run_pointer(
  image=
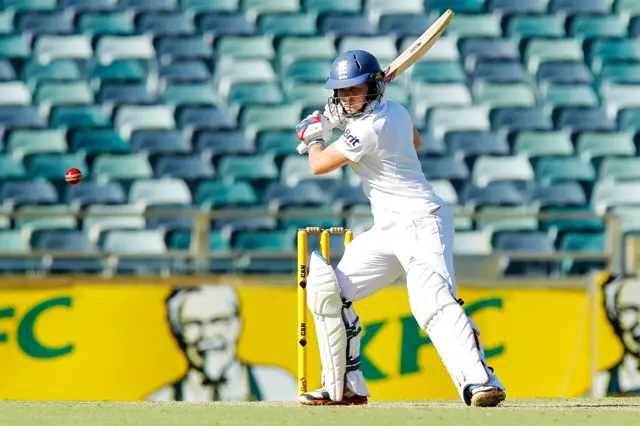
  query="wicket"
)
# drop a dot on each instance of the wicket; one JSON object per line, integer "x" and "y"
{"x": 303, "y": 269}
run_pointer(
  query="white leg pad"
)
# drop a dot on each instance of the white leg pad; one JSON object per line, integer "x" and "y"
{"x": 447, "y": 324}
{"x": 325, "y": 303}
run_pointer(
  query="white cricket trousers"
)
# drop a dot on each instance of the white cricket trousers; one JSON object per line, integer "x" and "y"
{"x": 377, "y": 257}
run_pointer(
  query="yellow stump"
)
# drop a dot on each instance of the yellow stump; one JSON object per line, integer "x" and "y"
{"x": 302, "y": 311}
{"x": 303, "y": 270}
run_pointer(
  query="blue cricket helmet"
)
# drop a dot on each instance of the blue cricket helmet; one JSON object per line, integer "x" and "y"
{"x": 353, "y": 68}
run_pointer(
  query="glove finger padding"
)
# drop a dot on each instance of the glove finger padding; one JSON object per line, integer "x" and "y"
{"x": 314, "y": 127}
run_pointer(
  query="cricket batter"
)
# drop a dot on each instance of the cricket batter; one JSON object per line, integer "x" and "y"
{"x": 412, "y": 234}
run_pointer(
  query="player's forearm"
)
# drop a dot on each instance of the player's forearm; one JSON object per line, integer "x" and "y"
{"x": 322, "y": 161}
{"x": 416, "y": 139}
{"x": 316, "y": 163}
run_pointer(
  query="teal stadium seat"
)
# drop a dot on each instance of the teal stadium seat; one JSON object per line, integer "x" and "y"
{"x": 277, "y": 142}
{"x": 597, "y": 26}
{"x": 288, "y": 24}
{"x": 49, "y": 48}
{"x": 14, "y": 46}
{"x": 200, "y": 6}
{"x": 462, "y": 6}
{"x": 258, "y": 7}
{"x": 6, "y": 23}
{"x": 295, "y": 168}
{"x": 605, "y": 144}
{"x": 629, "y": 6}
{"x": 28, "y": 142}
{"x": 535, "y": 26}
{"x": 151, "y": 192}
{"x": 472, "y": 243}
{"x": 13, "y": 241}
{"x": 376, "y": 8}
{"x": 255, "y": 93}
{"x": 122, "y": 70}
{"x": 54, "y": 166}
{"x": 620, "y": 96}
{"x": 73, "y": 117}
{"x": 534, "y": 144}
{"x": 291, "y": 49}
{"x": 180, "y": 94}
{"x": 609, "y": 194}
{"x": 231, "y": 71}
{"x": 98, "y": 141}
{"x": 322, "y": 6}
{"x": 215, "y": 194}
{"x": 569, "y": 95}
{"x": 382, "y": 47}
{"x": 539, "y": 51}
{"x": 14, "y": 93}
{"x": 312, "y": 95}
{"x": 129, "y": 118}
{"x": 602, "y": 51}
{"x": 28, "y": 5}
{"x": 493, "y": 223}
{"x": 474, "y": 25}
{"x": 64, "y": 93}
{"x": 505, "y": 95}
{"x": 58, "y": 70}
{"x": 123, "y": 167}
{"x": 11, "y": 168}
{"x": 275, "y": 117}
{"x": 620, "y": 169}
{"x": 437, "y": 72}
{"x": 450, "y": 119}
{"x": 255, "y": 167}
{"x": 307, "y": 71}
{"x": 110, "y": 48}
{"x": 256, "y": 47}
{"x": 446, "y": 49}
{"x": 97, "y": 24}
{"x": 489, "y": 169}
{"x": 134, "y": 242}
{"x": 562, "y": 169}
{"x": 624, "y": 73}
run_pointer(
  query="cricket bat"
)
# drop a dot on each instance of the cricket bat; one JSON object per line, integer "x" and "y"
{"x": 411, "y": 55}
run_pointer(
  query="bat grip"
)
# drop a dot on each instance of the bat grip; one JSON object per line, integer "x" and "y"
{"x": 302, "y": 148}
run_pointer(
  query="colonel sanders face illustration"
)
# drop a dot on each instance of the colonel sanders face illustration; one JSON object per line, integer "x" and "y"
{"x": 206, "y": 323}
{"x": 622, "y": 301}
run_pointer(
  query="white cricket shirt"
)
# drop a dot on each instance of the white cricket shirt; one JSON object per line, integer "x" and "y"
{"x": 380, "y": 146}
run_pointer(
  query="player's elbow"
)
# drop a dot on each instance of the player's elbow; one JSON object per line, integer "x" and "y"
{"x": 318, "y": 169}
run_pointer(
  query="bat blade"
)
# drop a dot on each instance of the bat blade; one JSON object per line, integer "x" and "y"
{"x": 419, "y": 47}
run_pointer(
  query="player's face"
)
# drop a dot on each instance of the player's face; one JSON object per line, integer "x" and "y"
{"x": 353, "y": 98}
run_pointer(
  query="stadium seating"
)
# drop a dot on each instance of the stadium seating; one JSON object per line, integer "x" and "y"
{"x": 522, "y": 105}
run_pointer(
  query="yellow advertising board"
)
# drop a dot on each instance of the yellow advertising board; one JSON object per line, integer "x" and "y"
{"x": 131, "y": 342}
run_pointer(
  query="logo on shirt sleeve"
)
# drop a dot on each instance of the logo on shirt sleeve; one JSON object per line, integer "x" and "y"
{"x": 351, "y": 138}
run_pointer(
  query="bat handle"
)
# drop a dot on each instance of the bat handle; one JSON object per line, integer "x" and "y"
{"x": 302, "y": 148}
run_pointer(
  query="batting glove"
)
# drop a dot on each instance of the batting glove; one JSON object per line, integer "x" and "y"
{"x": 314, "y": 127}
{"x": 333, "y": 117}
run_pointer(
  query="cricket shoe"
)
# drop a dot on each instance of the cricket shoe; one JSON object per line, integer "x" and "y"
{"x": 486, "y": 396}
{"x": 321, "y": 397}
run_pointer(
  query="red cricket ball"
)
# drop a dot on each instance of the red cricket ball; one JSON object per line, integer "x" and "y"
{"x": 73, "y": 176}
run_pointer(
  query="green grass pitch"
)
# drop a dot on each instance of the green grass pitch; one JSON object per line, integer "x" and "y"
{"x": 538, "y": 412}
